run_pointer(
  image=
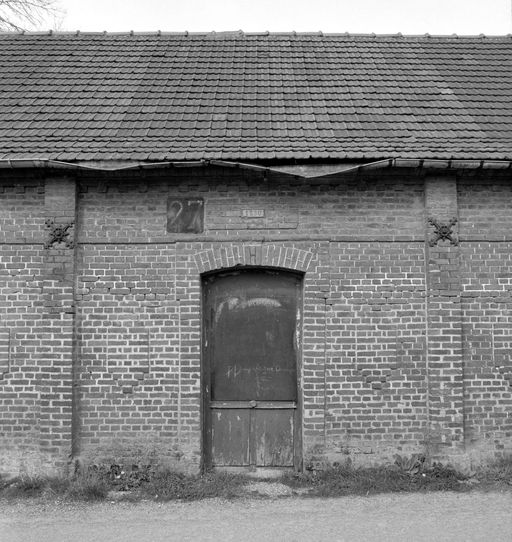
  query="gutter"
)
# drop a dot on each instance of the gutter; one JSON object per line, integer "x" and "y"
{"x": 99, "y": 166}
{"x": 326, "y": 170}
{"x": 306, "y": 171}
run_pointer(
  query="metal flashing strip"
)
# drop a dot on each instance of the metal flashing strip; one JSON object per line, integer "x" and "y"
{"x": 94, "y": 166}
{"x": 304, "y": 171}
{"x": 311, "y": 171}
{"x": 451, "y": 164}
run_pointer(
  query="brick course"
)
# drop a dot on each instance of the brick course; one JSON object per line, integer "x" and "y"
{"x": 405, "y": 346}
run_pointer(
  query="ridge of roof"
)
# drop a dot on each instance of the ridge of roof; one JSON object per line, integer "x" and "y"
{"x": 241, "y": 33}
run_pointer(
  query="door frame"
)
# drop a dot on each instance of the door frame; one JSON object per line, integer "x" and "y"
{"x": 205, "y": 419}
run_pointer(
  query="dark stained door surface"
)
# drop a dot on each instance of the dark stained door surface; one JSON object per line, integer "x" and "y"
{"x": 250, "y": 375}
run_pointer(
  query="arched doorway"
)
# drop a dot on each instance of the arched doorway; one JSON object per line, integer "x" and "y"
{"x": 251, "y": 347}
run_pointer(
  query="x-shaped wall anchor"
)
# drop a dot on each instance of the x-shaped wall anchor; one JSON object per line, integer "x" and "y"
{"x": 59, "y": 233}
{"x": 443, "y": 231}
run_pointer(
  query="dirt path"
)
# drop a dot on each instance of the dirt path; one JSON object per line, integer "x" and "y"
{"x": 412, "y": 517}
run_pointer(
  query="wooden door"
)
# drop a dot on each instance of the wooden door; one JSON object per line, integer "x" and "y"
{"x": 251, "y": 342}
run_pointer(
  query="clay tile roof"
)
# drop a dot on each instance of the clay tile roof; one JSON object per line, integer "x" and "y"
{"x": 236, "y": 96}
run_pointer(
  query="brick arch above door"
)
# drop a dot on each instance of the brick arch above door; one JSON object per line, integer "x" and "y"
{"x": 271, "y": 255}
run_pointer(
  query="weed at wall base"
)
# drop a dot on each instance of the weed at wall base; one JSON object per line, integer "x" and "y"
{"x": 405, "y": 475}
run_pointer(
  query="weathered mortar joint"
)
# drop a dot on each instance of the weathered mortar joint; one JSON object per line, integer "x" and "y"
{"x": 506, "y": 372}
{"x": 127, "y": 382}
{"x": 130, "y": 372}
{"x": 59, "y": 233}
{"x": 375, "y": 379}
{"x": 5, "y": 352}
{"x": 443, "y": 231}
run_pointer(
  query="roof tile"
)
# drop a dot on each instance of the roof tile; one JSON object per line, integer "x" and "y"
{"x": 254, "y": 96}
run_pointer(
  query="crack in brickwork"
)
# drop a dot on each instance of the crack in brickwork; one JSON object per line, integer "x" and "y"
{"x": 128, "y": 354}
{"x": 5, "y": 351}
{"x": 386, "y": 350}
{"x": 502, "y": 347}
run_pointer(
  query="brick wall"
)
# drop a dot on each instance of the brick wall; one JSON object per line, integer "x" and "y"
{"x": 486, "y": 245}
{"x": 36, "y": 319}
{"x": 375, "y": 341}
{"x": 405, "y": 337}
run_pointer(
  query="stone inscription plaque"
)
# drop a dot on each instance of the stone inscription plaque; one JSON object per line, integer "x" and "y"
{"x": 253, "y": 213}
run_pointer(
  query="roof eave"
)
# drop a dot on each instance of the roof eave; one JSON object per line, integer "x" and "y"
{"x": 303, "y": 171}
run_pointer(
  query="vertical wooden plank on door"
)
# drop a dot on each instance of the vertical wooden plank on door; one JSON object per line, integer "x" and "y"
{"x": 273, "y": 431}
{"x": 230, "y": 437}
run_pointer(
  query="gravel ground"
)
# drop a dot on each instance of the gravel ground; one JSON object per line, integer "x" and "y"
{"x": 406, "y": 517}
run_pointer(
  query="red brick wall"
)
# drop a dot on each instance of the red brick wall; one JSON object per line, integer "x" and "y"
{"x": 486, "y": 290}
{"x": 36, "y": 321}
{"x": 405, "y": 346}
{"x": 375, "y": 349}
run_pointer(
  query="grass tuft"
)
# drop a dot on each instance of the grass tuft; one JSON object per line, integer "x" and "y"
{"x": 498, "y": 472}
{"x": 94, "y": 485}
{"x": 84, "y": 487}
{"x": 167, "y": 485}
{"x": 405, "y": 475}
{"x": 28, "y": 486}
{"x": 345, "y": 479}
{"x": 88, "y": 487}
